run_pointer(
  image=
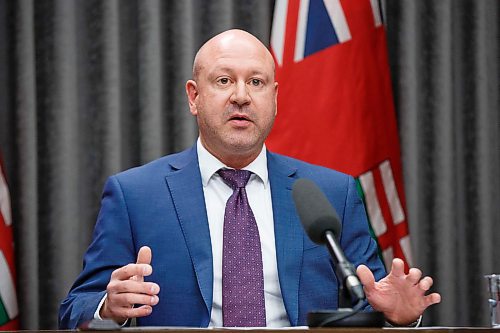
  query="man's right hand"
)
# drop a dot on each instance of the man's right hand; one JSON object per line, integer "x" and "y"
{"x": 127, "y": 288}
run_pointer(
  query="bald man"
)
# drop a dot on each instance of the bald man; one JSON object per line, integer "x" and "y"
{"x": 158, "y": 247}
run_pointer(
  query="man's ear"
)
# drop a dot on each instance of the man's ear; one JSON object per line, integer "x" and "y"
{"x": 276, "y": 98}
{"x": 192, "y": 94}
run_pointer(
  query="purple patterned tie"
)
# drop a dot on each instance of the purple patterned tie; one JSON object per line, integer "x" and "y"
{"x": 242, "y": 275}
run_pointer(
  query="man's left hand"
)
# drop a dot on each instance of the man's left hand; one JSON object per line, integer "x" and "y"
{"x": 400, "y": 297}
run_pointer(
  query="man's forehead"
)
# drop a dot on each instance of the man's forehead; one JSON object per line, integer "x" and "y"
{"x": 228, "y": 39}
{"x": 240, "y": 61}
{"x": 241, "y": 49}
{"x": 232, "y": 38}
{"x": 233, "y": 48}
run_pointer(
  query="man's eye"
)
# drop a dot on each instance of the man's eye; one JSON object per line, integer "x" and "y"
{"x": 256, "y": 82}
{"x": 223, "y": 80}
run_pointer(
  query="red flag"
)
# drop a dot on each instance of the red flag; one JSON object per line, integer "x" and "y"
{"x": 335, "y": 104}
{"x": 8, "y": 301}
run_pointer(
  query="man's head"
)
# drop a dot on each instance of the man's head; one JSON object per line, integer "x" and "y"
{"x": 233, "y": 95}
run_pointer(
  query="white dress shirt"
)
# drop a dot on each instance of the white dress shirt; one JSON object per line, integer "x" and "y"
{"x": 216, "y": 194}
{"x": 259, "y": 196}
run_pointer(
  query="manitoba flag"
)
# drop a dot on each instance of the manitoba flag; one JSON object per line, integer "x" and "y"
{"x": 335, "y": 104}
{"x": 8, "y": 301}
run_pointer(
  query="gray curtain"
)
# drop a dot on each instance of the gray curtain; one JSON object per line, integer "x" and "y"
{"x": 92, "y": 87}
{"x": 445, "y": 66}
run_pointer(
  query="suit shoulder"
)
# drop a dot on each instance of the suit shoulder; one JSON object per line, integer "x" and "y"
{"x": 309, "y": 170}
{"x": 158, "y": 167}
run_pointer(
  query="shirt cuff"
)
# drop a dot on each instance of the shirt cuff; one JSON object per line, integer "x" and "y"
{"x": 96, "y": 313}
{"x": 416, "y": 323}
{"x": 98, "y": 316}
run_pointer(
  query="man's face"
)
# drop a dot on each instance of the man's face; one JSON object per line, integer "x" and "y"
{"x": 234, "y": 98}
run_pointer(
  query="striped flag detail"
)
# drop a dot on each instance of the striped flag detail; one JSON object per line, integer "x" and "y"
{"x": 386, "y": 213}
{"x": 377, "y": 17}
{"x": 8, "y": 300}
{"x": 9, "y": 310}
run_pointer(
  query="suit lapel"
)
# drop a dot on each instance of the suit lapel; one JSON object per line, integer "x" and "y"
{"x": 288, "y": 234}
{"x": 184, "y": 183}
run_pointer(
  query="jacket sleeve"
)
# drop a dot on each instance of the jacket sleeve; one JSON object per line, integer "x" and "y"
{"x": 356, "y": 240}
{"x": 112, "y": 247}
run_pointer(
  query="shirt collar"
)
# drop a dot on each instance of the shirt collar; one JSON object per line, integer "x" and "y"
{"x": 209, "y": 164}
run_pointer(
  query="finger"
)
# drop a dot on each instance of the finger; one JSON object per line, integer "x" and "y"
{"x": 126, "y": 272}
{"x": 366, "y": 277}
{"x": 142, "y": 311}
{"x": 144, "y": 256}
{"x": 398, "y": 268}
{"x": 433, "y": 298}
{"x": 128, "y": 312}
{"x": 426, "y": 283}
{"x": 414, "y": 275}
{"x": 127, "y": 300}
{"x": 130, "y": 286}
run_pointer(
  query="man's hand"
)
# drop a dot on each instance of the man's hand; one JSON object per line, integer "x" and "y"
{"x": 127, "y": 287}
{"x": 401, "y": 297}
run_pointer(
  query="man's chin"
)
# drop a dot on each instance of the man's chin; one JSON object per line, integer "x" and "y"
{"x": 243, "y": 146}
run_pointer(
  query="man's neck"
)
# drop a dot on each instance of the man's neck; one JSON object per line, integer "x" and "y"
{"x": 232, "y": 159}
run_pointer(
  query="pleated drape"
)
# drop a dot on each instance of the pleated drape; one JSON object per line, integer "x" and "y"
{"x": 445, "y": 65}
{"x": 92, "y": 87}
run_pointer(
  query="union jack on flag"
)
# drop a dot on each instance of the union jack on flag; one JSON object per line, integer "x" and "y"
{"x": 336, "y": 106}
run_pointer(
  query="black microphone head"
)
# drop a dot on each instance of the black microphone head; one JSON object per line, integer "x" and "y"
{"x": 315, "y": 211}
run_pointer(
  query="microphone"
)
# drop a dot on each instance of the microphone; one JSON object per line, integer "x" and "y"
{"x": 322, "y": 225}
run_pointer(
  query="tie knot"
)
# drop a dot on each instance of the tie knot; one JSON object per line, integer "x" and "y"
{"x": 235, "y": 178}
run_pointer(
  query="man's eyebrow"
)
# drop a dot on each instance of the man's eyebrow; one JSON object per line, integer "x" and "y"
{"x": 230, "y": 70}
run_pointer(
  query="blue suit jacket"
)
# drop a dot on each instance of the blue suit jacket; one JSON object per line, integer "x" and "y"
{"x": 161, "y": 204}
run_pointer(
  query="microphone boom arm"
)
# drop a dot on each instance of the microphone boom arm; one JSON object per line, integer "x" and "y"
{"x": 344, "y": 268}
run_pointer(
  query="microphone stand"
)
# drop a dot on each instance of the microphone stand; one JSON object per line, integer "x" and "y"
{"x": 348, "y": 314}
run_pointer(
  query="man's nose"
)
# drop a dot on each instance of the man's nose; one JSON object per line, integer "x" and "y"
{"x": 240, "y": 94}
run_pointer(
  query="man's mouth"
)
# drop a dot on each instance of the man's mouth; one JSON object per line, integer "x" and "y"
{"x": 239, "y": 118}
{"x": 240, "y": 121}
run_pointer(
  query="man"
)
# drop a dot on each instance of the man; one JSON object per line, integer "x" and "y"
{"x": 170, "y": 216}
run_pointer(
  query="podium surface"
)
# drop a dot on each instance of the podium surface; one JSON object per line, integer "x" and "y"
{"x": 288, "y": 330}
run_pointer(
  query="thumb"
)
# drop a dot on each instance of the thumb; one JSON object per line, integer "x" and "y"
{"x": 366, "y": 277}
{"x": 144, "y": 256}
